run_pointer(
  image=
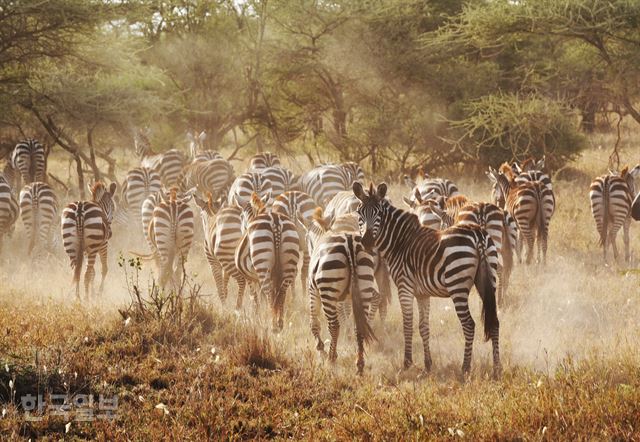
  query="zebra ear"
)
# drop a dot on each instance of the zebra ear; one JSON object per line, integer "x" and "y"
{"x": 491, "y": 174}
{"x": 635, "y": 172}
{"x": 358, "y": 190}
{"x": 202, "y": 136}
{"x": 540, "y": 163}
{"x": 190, "y": 136}
{"x": 382, "y": 191}
{"x": 408, "y": 202}
{"x": 112, "y": 188}
{"x": 417, "y": 196}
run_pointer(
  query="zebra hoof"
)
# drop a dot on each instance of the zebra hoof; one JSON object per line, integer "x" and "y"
{"x": 497, "y": 373}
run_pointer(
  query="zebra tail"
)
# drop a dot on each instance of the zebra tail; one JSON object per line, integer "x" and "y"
{"x": 35, "y": 228}
{"x": 276, "y": 272}
{"x": 485, "y": 281}
{"x": 363, "y": 327}
{"x": 77, "y": 269}
{"x": 605, "y": 210}
{"x": 540, "y": 212}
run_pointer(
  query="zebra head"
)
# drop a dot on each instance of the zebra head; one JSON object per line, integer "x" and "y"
{"x": 196, "y": 142}
{"x": 104, "y": 198}
{"x": 425, "y": 207}
{"x": 497, "y": 196}
{"x": 141, "y": 142}
{"x": 209, "y": 208}
{"x": 372, "y": 208}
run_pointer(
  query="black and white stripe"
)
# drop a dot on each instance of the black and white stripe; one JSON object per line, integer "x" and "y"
{"x": 9, "y": 210}
{"x": 281, "y": 179}
{"x": 38, "y": 210}
{"x": 263, "y": 160}
{"x": 431, "y": 186}
{"x": 524, "y": 202}
{"x": 86, "y": 229}
{"x": 247, "y": 184}
{"x": 197, "y": 149}
{"x": 168, "y": 164}
{"x": 269, "y": 253}
{"x": 29, "y": 158}
{"x": 611, "y": 201}
{"x": 171, "y": 234}
{"x": 426, "y": 263}
{"x": 299, "y": 207}
{"x": 498, "y": 223}
{"x": 326, "y": 181}
{"x": 139, "y": 183}
{"x": 341, "y": 267}
{"x": 208, "y": 176}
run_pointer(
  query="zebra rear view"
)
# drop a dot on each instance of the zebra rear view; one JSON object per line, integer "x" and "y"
{"x": 611, "y": 198}
{"x": 341, "y": 267}
{"x": 38, "y": 209}
{"x": 86, "y": 229}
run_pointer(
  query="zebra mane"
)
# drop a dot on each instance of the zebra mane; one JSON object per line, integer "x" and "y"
{"x": 97, "y": 191}
{"x": 528, "y": 164}
{"x": 505, "y": 169}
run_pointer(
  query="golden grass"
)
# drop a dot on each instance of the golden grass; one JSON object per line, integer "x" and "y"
{"x": 569, "y": 339}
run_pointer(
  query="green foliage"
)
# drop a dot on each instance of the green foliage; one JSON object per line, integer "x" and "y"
{"x": 507, "y": 126}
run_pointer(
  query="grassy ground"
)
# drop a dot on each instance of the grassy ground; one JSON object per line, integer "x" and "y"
{"x": 194, "y": 369}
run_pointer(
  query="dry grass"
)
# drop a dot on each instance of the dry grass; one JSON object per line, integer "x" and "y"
{"x": 569, "y": 343}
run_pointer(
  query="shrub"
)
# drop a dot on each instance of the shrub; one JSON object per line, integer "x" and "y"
{"x": 501, "y": 127}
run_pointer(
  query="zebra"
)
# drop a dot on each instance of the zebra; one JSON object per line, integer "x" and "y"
{"x": 222, "y": 237}
{"x": 426, "y": 262}
{"x": 281, "y": 179}
{"x": 29, "y": 160}
{"x": 215, "y": 176}
{"x": 197, "y": 150}
{"x": 342, "y": 203}
{"x": 342, "y": 266}
{"x": 86, "y": 229}
{"x": 299, "y": 207}
{"x": 531, "y": 170}
{"x": 170, "y": 234}
{"x": 268, "y": 254}
{"x": 38, "y": 209}
{"x": 263, "y": 160}
{"x": 498, "y": 223}
{"x": 635, "y": 208}
{"x": 325, "y": 181}
{"x": 9, "y": 210}
{"x": 438, "y": 186}
{"x": 168, "y": 164}
{"x": 149, "y": 205}
{"x": 426, "y": 206}
{"x": 348, "y": 223}
{"x": 139, "y": 183}
{"x": 524, "y": 201}
{"x": 611, "y": 198}
{"x": 245, "y": 185}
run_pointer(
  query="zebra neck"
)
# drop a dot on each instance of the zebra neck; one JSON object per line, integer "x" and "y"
{"x": 398, "y": 228}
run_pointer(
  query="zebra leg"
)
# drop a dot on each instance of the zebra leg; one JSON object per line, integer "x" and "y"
{"x": 461, "y": 303}
{"x": 384, "y": 290}
{"x": 406, "y": 306}
{"x": 423, "y": 325}
{"x": 625, "y": 233}
{"x": 242, "y": 284}
{"x": 530, "y": 239}
{"x": 334, "y": 331}
{"x": 612, "y": 239}
{"x": 104, "y": 267}
{"x": 89, "y": 275}
{"x": 221, "y": 278}
{"x": 314, "y": 305}
{"x": 304, "y": 271}
{"x": 360, "y": 357}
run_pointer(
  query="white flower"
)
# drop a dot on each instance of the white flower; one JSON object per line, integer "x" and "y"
{"x": 6, "y": 367}
{"x": 67, "y": 427}
{"x": 140, "y": 398}
{"x": 11, "y": 384}
{"x": 127, "y": 321}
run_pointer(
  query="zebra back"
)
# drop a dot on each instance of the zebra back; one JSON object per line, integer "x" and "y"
{"x": 38, "y": 208}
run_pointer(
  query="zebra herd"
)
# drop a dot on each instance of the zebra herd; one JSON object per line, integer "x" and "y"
{"x": 264, "y": 226}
